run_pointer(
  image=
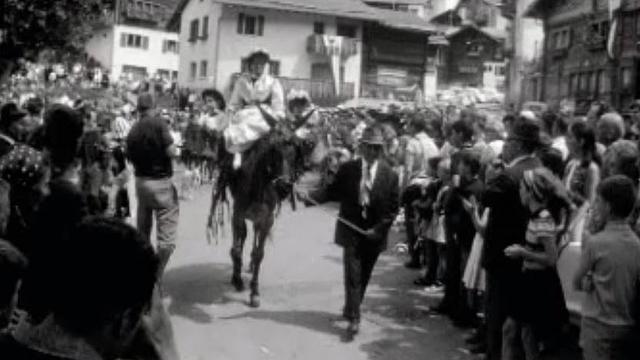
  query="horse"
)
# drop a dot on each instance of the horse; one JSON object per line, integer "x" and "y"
{"x": 258, "y": 188}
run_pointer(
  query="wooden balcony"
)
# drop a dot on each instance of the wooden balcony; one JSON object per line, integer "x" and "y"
{"x": 316, "y": 45}
{"x": 596, "y": 43}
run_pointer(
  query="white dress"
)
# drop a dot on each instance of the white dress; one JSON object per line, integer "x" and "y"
{"x": 248, "y": 100}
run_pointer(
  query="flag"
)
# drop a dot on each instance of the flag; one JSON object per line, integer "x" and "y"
{"x": 614, "y": 6}
{"x": 611, "y": 41}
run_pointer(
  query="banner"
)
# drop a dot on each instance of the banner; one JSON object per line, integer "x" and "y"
{"x": 333, "y": 44}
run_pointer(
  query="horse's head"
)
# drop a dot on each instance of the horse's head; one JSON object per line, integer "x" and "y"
{"x": 281, "y": 160}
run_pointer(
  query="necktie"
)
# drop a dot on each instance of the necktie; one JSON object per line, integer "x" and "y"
{"x": 365, "y": 188}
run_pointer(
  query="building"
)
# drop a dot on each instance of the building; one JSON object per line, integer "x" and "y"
{"x": 576, "y": 65}
{"x": 317, "y": 45}
{"x": 135, "y": 41}
{"x": 475, "y": 58}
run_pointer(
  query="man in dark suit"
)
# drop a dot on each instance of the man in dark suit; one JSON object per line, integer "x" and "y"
{"x": 507, "y": 225}
{"x": 368, "y": 192}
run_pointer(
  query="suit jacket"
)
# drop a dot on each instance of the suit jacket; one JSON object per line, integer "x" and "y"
{"x": 508, "y": 219}
{"x": 381, "y": 212}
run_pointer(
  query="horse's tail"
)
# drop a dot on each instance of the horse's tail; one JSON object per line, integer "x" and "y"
{"x": 219, "y": 214}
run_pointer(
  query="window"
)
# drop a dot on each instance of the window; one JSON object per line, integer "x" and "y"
{"x": 134, "y": 41}
{"x": 205, "y": 28}
{"x": 573, "y": 83}
{"x": 193, "y": 31}
{"x": 250, "y": 25}
{"x": 561, "y": 39}
{"x": 348, "y": 31}
{"x": 193, "y": 70}
{"x": 170, "y": 46}
{"x": 474, "y": 49}
{"x": 203, "y": 68}
{"x": 600, "y": 29}
{"x": 603, "y": 82}
{"x": 318, "y": 28}
{"x": 638, "y": 24}
{"x": 274, "y": 67}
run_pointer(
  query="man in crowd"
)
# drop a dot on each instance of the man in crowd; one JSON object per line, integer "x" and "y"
{"x": 150, "y": 148}
{"x": 420, "y": 149}
{"x": 367, "y": 189}
{"x": 103, "y": 281}
{"x": 609, "y": 274}
{"x": 506, "y": 226}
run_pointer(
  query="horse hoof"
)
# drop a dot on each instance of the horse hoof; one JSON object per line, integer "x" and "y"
{"x": 255, "y": 301}
{"x": 238, "y": 284}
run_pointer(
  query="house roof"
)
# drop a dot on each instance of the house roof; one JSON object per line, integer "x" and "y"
{"x": 404, "y": 21}
{"x": 351, "y": 9}
{"x": 494, "y": 34}
{"x": 409, "y": 2}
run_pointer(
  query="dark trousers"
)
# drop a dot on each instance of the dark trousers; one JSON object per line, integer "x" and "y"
{"x": 457, "y": 253}
{"x": 359, "y": 261}
{"x": 409, "y": 195}
{"x": 496, "y": 303}
{"x": 434, "y": 259}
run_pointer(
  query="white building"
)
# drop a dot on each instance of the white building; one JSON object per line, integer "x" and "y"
{"x": 136, "y": 43}
{"x": 216, "y": 35}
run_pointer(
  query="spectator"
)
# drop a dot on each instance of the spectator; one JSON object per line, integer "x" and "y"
{"x": 150, "y": 148}
{"x": 13, "y": 127}
{"x": 12, "y": 267}
{"x": 506, "y": 225}
{"x": 558, "y": 133}
{"x": 609, "y": 129}
{"x": 98, "y": 303}
{"x": 419, "y": 150}
{"x": 538, "y": 312}
{"x": 609, "y": 274}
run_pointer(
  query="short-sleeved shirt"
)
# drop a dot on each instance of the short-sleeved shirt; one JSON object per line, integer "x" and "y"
{"x": 147, "y": 145}
{"x": 612, "y": 258}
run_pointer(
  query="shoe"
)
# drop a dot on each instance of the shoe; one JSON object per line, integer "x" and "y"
{"x": 412, "y": 265}
{"x": 421, "y": 281}
{"x": 353, "y": 328}
{"x": 474, "y": 338}
{"x": 477, "y": 349}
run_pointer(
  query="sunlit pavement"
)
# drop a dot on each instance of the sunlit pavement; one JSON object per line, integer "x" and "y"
{"x": 302, "y": 296}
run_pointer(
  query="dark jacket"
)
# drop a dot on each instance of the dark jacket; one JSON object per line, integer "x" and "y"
{"x": 458, "y": 220}
{"x": 380, "y": 213}
{"x": 508, "y": 219}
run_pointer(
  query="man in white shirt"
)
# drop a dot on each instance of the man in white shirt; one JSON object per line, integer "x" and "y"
{"x": 420, "y": 149}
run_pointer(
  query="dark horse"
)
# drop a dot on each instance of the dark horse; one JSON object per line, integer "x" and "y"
{"x": 258, "y": 189}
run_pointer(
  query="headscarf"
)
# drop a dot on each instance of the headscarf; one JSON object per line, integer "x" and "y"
{"x": 23, "y": 167}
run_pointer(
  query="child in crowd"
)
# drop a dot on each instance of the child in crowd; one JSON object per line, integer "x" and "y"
{"x": 430, "y": 232}
{"x": 609, "y": 274}
{"x": 538, "y": 313}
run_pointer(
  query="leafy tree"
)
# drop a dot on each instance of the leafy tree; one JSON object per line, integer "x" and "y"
{"x": 28, "y": 27}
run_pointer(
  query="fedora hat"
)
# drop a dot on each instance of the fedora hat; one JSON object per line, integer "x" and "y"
{"x": 525, "y": 130}
{"x": 372, "y": 136}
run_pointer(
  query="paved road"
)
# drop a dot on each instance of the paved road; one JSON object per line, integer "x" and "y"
{"x": 302, "y": 295}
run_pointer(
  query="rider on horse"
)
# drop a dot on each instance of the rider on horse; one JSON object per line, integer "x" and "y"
{"x": 257, "y": 104}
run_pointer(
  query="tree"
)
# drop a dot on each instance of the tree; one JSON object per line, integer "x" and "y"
{"x": 28, "y": 27}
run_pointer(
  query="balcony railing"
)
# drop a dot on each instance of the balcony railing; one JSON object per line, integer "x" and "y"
{"x": 317, "y": 45}
{"x": 322, "y": 92}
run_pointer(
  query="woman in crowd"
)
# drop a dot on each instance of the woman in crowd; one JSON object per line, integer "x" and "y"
{"x": 582, "y": 173}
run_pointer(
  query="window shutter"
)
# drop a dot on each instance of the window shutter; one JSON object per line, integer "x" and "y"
{"x": 123, "y": 40}
{"x": 165, "y": 45}
{"x": 260, "y": 31}
{"x": 145, "y": 42}
{"x": 240, "y": 23}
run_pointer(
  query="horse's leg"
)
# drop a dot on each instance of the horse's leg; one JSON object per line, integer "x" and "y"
{"x": 239, "y": 237}
{"x": 262, "y": 233}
